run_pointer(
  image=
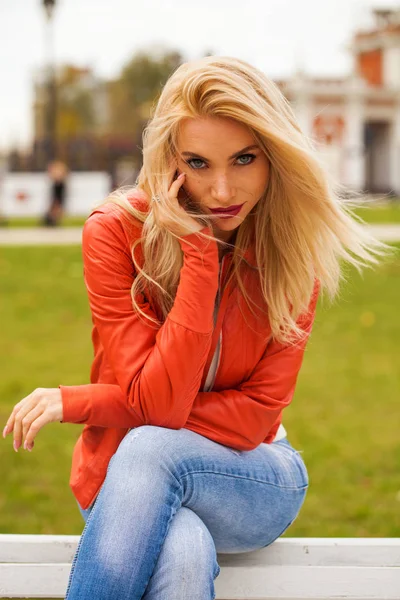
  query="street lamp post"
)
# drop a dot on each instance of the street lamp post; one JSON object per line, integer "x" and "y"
{"x": 51, "y": 100}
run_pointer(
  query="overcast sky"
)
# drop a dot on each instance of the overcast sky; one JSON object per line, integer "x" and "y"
{"x": 275, "y": 35}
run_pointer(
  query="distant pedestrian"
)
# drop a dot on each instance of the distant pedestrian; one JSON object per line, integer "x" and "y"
{"x": 3, "y": 171}
{"x": 57, "y": 171}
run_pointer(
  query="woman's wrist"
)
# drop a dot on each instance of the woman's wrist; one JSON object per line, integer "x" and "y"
{"x": 199, "y": 241}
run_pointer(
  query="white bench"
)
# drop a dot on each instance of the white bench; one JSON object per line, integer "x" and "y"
{"x": 37, "y": 566}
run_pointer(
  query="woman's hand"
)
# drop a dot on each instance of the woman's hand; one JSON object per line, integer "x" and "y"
{"x": 165, "y": 212}
{"x": 31, "y": 414}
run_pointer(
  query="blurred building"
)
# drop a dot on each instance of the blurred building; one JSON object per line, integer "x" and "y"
{"x": 82, "y": 117}
{"x": 355, "y": 120}
{"x": 76, "y": 80}
{"x": 84, "y": 138}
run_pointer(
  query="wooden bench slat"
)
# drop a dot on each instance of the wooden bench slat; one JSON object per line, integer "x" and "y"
{"x": 17, "y": 548}
{"x": 308, "y": 583}
{"x": 34, "y": 581}
{"x": 38, "y": 566}
{"x": 252, "y": 583}
{"x": 382, "y": 552}
{"x": 357, "y": 552}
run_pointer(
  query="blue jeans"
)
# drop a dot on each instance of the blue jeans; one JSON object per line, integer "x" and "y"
{"x": 171, "y": 500}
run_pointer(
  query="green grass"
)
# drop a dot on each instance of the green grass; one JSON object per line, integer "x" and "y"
{"x": 372, "y": 213}
{"x": 34, "y": 222}
{"x": 345, "y": 415}
{"x": 384, "y": 213}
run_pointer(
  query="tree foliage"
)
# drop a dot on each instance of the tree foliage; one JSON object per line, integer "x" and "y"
{"x": 99, "y": 122}
{"x": 76, "y": 113}
{"x": 133, "y": 93}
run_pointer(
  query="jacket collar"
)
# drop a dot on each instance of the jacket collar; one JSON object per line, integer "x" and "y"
{"x": 249, "y": 255}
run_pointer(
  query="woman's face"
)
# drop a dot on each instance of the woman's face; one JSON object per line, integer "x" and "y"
{"x": 224, "y": 168}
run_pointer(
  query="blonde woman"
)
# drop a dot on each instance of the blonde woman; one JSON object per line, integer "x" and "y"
{"x": 202, "y": 282}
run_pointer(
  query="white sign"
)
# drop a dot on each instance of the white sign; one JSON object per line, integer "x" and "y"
{"x": 28, "y": 194}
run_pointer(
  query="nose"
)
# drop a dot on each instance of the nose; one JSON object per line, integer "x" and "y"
{"x": 221, "y": 190}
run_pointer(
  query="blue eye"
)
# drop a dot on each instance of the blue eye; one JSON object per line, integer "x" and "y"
{"x": 194, "y": 163}
{"x": 248, "y": 159}
{"x": 198, "y": 163}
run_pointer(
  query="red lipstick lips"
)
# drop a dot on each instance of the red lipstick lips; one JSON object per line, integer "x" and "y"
{"x": 229, "y": 211}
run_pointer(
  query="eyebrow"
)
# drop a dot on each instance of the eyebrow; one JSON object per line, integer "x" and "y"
{"x": 243, "y": 151}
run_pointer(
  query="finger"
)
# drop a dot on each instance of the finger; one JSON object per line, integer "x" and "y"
{"x": 10, "y": 423}
{"x": 26, "y": 406}
{"x": 17, "y": 431}
{"x": 35, "y": 427}
{"x": 9, "y": 426}
{"x": 28, "y": 420}
{"x": 176, "y": 185}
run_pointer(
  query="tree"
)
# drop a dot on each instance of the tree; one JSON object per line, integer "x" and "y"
{"x": 137, "y": 88}
{"x": 76, "y": 114}
{"x": 101, "y": 122}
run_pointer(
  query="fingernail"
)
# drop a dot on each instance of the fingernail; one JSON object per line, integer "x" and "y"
{"x": 15, "y": 446}
{"x": 181, "y": 176}
{"x": 25, "y": 445}
{"x": 5, "y": 431}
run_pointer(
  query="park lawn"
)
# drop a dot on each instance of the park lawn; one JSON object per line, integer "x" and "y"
{"x": 371, "y": 213}
{"x": 67, "y": 221}
{"x": 344, "y": 417}
{"x": 384, "y": 213}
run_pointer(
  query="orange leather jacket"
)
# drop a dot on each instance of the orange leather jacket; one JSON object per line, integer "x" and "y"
{"x": 144, "y": 374}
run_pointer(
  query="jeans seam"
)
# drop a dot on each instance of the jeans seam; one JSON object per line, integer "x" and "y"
{"x": 284, "y": 487}
{"x": 77, "y": 552}
{"x": 82, "y": 534}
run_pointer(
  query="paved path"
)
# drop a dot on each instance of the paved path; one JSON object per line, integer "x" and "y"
{"x": 43, "y": 236}
{"x": 387, "y": 233}
{"x": 40, "y": 236}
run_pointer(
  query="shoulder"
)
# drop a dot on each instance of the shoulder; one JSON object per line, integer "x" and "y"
{"x": 111, "y": 211}
{"x": 112, "y": 220}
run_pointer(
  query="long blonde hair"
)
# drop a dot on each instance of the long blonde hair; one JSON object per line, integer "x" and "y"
{"x": 301, "y": 229}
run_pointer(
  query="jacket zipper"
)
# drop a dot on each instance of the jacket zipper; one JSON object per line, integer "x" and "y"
{"x": 219, "y": 360}
{"x": 220, "y": 335}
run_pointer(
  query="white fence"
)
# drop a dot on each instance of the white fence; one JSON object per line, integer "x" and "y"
{"x": 28, "y": 194}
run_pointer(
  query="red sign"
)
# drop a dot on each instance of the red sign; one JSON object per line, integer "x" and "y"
{"x": 21, "y": 196}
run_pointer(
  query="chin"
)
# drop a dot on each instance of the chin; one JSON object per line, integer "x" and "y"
{"x": 228, "y": 224}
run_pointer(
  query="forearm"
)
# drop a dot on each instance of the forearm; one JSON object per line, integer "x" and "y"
{"x": 158, "y": 371}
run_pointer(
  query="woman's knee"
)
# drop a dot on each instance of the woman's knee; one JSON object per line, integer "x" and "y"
{"x": 138, "y": 444}
{"x": 189, "y": 548}
{"x": 149, "y": 445}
